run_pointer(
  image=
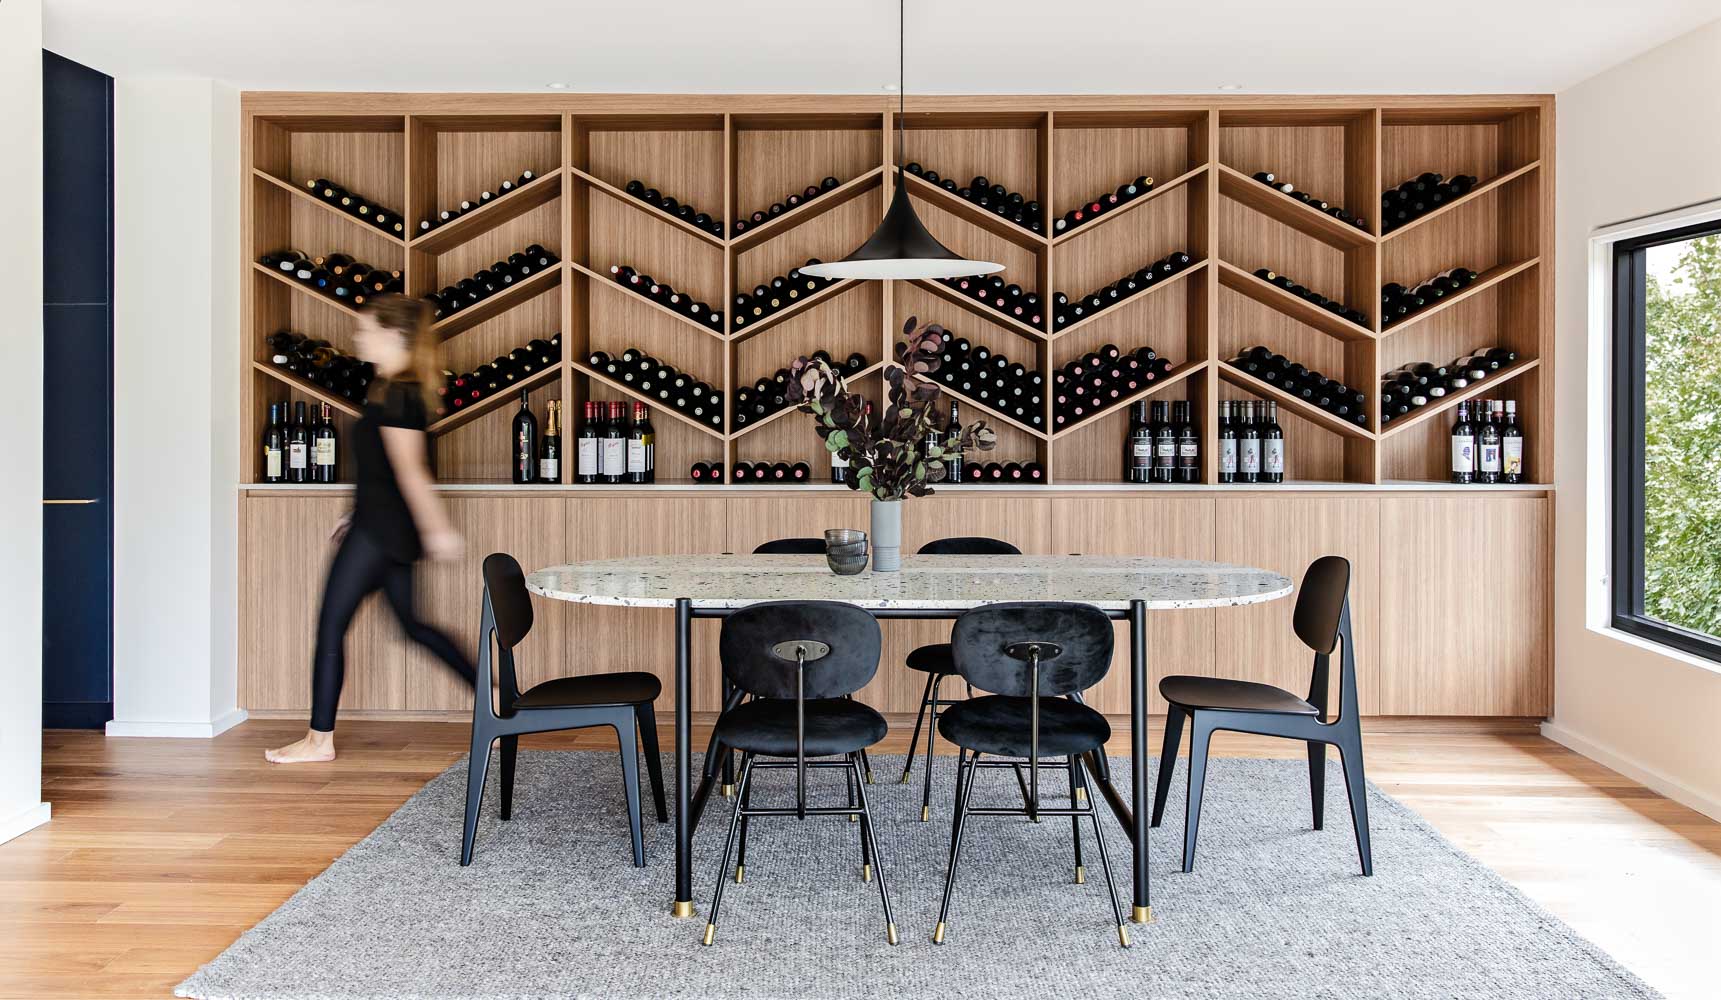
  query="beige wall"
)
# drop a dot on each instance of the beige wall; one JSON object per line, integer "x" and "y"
{"x": 1640, "y": 139}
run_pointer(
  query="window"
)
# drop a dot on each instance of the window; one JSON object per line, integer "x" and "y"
{"x": 1666, "y": 577}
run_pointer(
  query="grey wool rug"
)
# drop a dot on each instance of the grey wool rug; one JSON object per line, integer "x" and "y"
{"x": 552, "y": 907}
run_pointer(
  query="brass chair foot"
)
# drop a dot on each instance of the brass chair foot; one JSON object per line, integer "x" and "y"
{"x": 710, "y": 933}
{"x": 854, "y": 817}
{"x": 890, "y": 933}
{"x": 925, "y": 814}
{"x": 1123, "y": 935}
{"x": 866, "y": 873}
{"x": 738, "y": 870}
{"x": 869, "y": 777}
{"x": 938, "y": 933}
{"x": 1081, "y": 795}
{"x": 727, "y": 791}
{"x": 904, "y": 780}
{"x": 682, "y": 908}
{"x": 1081, "y": 875}
{"x": 1141, "y": 914}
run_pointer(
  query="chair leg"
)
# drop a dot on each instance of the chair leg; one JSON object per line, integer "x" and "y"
{"x": 630, "y": 783}
{"x": 510, "y": 750}
{"x": 869, "y": 844}
{"x": 746, "y": 801}
{"x": 866, "y": 766}
{"x": 850, "y": 779}
{"x": 728, "y": 850}
{"x": 1111, "y": 888}
{"x": 727, "y": 787}
{"x": 967, "y": 786}
{"x": 853, "y": 774}
{"x": 956, "y": 800}
{"x": 1076, "y": 821}
{"x": 1318, "y": 781}
{"x": 913, "y": 741}
{"x": 1350, "y": 755}
{"x": 1167, "y": 761}
{"x": 477, "y": 767}
{"x": 1199, "y": 736}
{"x": 645, "y": 717}
{"x": 931, "y": 734}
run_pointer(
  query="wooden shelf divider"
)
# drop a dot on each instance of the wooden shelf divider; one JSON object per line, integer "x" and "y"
{"x": 876, "y": 366}
{"x": 1469, "y": 196}
{"x": 531, "y": 287}
{"x": 305, "y": 196}
{"x": 656, "y": 404}
{"x": 1138, "y": 297}
{"x": 1171, "y": 378}
{"x": 614, "y": 288}
{"x": 801, "y": 305}
{"x": 1303, "y": 311}
{"x": 1296, "y": 404}
{"x": 307, "y": 387}
{"x": 1484, "y": 281}
{"x": 541, "y": 377}
{"x": 1130, "y": 206}
{"x": 542, "y": 190}
{"x": 601, "y": 185}
{"x": 1275, "y": 204}
{"x": 984, "y": 311}
{"x": 306, "y": 290}
{"x": 807, "y": 211}
{"x": 995, "y": 224}
{"x": 1451, "y": 400}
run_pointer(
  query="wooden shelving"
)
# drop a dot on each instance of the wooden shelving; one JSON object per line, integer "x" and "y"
{"x": 957, "y": 205}
{"x": 1470, "y": 196}
{"x": 615, "y": 289}
{"x": 307, "y": 387}
{"x": 982, "y": 310}
{"x": 499, "y": 303}
{"x": 1174, "y": 377}
{"x": 1156, "y": 191}
{"x": 1272, "y": 202}
{"x": 1136, "y": 299}
{"x": 466, "y": 414}
{"x": 769, "y": 419}
{"x": 542, "y": 190}
{"x": 605, "y": 187}
{"x": 600, "y": 378}
{"x": 1450, "y": 401}
{"x": 1484, "y": 281}
{"x": 305, "y": 290}
{"x": 305, "y": 197}
{"x": 808, "y": 211}
{"x": 1296, "y": 404}
{"x": 801, "y": 305}
{"x": 1301, "y": 310}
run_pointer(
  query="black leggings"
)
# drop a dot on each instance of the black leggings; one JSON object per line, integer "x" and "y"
{"x": 360, "y": 569}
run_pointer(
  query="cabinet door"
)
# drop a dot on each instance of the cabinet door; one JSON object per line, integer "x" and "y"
{"x": 1284, "y": 534}
{"x": 450, "y": 594}
{"x": 1464, "y": 606}
{"x": 285, "y": 559}
{"x": 1178, "y": 641}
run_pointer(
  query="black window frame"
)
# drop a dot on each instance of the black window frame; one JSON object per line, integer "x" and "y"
{"x": 1629, "y": 382}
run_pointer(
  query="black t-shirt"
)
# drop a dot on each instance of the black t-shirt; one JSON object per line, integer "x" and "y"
{"x": 379, "y": 509}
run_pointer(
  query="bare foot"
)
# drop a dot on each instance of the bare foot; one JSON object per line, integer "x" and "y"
{"x": 314, "y": 748}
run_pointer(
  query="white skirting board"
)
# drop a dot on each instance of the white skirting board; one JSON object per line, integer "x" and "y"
{"x": 24, "y": 822}
{"x": 1650, "y": 778}
{"x": 178, "y": 730}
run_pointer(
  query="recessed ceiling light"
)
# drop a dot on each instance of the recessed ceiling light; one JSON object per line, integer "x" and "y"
{"x": 557, "y": 86}
{"x": 890, "y": 88}
{"x": 1230, "y": 86}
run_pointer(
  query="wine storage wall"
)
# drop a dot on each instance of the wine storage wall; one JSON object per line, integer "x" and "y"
{"x": 732, "y": 156}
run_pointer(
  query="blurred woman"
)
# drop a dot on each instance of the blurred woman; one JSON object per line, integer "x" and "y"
{"x": 396, "y": 517}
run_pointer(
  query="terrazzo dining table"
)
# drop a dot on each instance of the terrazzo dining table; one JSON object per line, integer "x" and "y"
{"x": 927, "y": 587}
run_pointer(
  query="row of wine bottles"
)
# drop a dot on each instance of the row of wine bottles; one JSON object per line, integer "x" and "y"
{"x": 666, "y": 296}
{"x": 789, "y": 203}
{"x": 1420, "y": 195}
{"x": 1102, "y": 203}
{"x": 761, "y": 472}
{"x": 1000, "y": 296}
{"x": 485, "y": 197}
{"x": 771, "y": 394}
{"x": 1001, "y": 474}
{"x": 1487, "y": 443}
{"x": 1285, "y": 187}
{"x": 1414, "y": 386}
{"x": 359, "y": 207}
{"x": 1102, "y": 378}
{"x": 993, "y": 380}
{"x": 613, "y": 446}
{"x": 493, "y": 280}
{"x": 498, "y": 375}
{"x": 668, "y": 205}
{"x": 336, "y": 275}
{"x": 1251, "y": 442}
{"x": 994, "y": 198}
{"x": 1312, "y": 297}
{"x": 535, "y": 457}
{"x": 779, "y": 293}
{"x": 1068, "y": 309}
{"x": 318, "y": 362}
{"x": 1399, "y": 302}
{"x": 1162, "y": 449}
{"x": 671, "y": 387}
{"x": 1328, "y": 394}
{"x": 300, "y": 447}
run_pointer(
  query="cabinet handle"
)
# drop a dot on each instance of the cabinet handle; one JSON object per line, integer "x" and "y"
{"x": 70, "y": 501}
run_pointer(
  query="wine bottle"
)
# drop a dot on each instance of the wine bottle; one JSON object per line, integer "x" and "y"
{"x": 1487, "y": 444}
{"x": 612, "y": 455}
{"x": 1164, "y": 445}
{"x": 550, "y": 460}
{"x": 641, "y": 448}
{"x": 1138, "y": 447}
{"x": 839, "y": 468}
{"x": 1511, "y": 446}
{"x": 274, "y": 446}
{"x": 1248, "y": 444}
{"x": 323, "y": 447}
{"x": 299, "y": 446}
{"x": 952, "y": 449}
{"x": 1188, "y": 443}
{"x": 1227, "y": 443}
{"x": 524, "y": 437}
{"x": 1272, "y": 446}
{"x": 1463, "y": 447}
{"x": 586, "y": 446}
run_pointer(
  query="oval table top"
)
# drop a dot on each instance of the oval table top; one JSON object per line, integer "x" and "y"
{"x": 925, "y": 582}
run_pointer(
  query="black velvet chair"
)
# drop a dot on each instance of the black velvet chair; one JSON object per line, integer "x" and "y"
{"x": 622, "y": 701}
{"x": 1322, "y": 621}
{"x": 1037, "y": 657}
{"x": 799, "y": 660}
{"x": 791, "y": 547}
{"x": 934, "y": 660}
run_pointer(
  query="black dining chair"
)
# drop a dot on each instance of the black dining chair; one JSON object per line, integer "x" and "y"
{"x": 799, "y": 660}
{"x": 1322, "y": 621}
{"x": 1036, "y": 657}
{"x": 622, "y": 701}
{"x": 791, "y": 547}
{"x": 934, "y": 659}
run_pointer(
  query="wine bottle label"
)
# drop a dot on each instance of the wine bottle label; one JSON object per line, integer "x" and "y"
{"x": 1489, "y": 458}
{"x": 586, "y": 456}
{"x": 1165, "y": 454}
{"x": 1273, "y": 455}
{"x": 614, "y": 456}
{"x": 636, "y": 456}
{"x": 1142, "y": 452}
{"x": 323, "y": 452}
{"x": 272, "y": 461}
{"x": 1249, "y": 456}
{"x": 1463, "y": 453}
{"x": 1512, "y": 456}
{"x": 1188, "y": 450}
{"x": 839, "y": 462}
{"x": 550, "y": 469}
{"x": 296, "y": 455}
{"x": 1228, "y": 455}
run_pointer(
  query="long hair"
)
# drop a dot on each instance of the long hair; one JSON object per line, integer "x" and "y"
{"x": 410, "y": 318}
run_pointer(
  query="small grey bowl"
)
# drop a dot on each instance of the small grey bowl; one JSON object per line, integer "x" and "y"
{"x": 845, "y": 551}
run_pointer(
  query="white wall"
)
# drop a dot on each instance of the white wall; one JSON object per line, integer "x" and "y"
{"x": 1640, "y": 139}
{"x": 21, "y": 805}
{"x": 176, "y": 232}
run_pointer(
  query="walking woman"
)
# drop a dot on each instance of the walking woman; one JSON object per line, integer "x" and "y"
{"x": 396, "y": 518}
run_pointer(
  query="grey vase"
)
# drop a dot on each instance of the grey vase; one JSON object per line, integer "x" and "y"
{"x": 886, "y": 536}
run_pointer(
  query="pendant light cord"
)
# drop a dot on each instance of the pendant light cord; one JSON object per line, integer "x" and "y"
{"x": 901, "y": 78}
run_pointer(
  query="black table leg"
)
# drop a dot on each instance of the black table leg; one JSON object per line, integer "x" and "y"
{"x": 1142, "y": 911}
{"x": 684, "y": 759}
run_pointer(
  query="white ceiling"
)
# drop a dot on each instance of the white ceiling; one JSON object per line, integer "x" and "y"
{"x": 849, "y": 46}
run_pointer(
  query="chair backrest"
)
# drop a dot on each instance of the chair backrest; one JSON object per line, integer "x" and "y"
{"x": 969, "y": 545}
{"x": 791, "y": 547}
{"x": 1323, "y": 622}
{"x": 840, "y": 643}
{"x": 1081, "y": 632}
{"x": 507, "y": 613}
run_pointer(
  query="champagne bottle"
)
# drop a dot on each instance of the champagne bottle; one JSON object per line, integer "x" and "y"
{"x": 550, "y": 462}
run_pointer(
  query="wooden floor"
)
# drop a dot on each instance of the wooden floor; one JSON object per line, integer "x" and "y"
{"x": 161, "y": 852}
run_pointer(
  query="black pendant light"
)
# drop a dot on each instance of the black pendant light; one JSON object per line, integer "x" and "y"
{"x": 901, "y": 248}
